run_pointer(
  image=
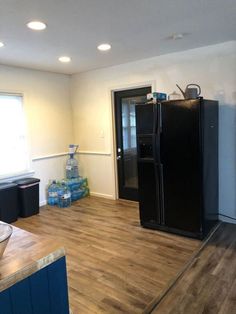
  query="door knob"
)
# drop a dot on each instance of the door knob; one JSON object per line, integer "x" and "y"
{"x": 118, "y": 157}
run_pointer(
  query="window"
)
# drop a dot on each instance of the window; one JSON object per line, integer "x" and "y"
{"x": 14, "y": 157}
{"x": 128, "y": 124}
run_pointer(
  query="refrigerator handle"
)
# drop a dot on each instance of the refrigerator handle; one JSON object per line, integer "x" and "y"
{"x": 160, "y": 118}
{"x": 155, "y": 145}
{"x": 160, "y": 131}
{"x": 162, "y": 195}
{"x": 158, "y": 195}
{"x": 155, "y": 124}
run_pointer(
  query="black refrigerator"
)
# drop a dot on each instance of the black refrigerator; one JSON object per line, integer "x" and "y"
{"x": 177, "y": 147}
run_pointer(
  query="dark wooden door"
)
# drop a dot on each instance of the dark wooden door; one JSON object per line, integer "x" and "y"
{"x": 126, "y": 148}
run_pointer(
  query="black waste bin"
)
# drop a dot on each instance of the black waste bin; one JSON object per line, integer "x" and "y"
{"x": 28, "y": 196}
{"x": 8, "y": 202}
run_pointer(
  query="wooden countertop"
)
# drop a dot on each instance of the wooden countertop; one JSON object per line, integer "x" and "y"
{"x": 25, "y": 254}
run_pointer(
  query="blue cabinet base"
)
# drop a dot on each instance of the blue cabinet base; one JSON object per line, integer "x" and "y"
{"x": 44, "y": 292}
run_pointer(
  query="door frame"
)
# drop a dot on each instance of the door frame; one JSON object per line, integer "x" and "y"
{"x": 112, "y": 91}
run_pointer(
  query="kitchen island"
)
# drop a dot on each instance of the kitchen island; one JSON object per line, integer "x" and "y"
{"x": 33, "y": 276}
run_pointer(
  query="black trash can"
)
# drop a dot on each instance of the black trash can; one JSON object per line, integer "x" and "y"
{"x": 8, "y": 202}
{"x": 28, "y": 196}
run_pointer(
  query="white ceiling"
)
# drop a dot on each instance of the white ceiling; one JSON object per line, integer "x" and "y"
{"x": 136, "y": 29}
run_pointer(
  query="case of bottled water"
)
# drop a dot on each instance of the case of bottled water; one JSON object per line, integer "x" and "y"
{"x": 64, "y": 196}
{"x": 52, "y": 194}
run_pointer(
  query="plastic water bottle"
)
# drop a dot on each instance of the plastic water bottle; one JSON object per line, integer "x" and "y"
{"x": 52, "y": 193}
{"x": 64, "y": 196}
{"x": 72, "y": 168}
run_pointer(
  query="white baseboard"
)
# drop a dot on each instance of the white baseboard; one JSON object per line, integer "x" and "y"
{"x": 227, "y": 219}
{"x": 42, "y": 203}
{"x": 108, "y": 196}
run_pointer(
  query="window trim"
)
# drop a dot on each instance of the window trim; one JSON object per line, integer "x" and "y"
{"x": 14, "y": 177}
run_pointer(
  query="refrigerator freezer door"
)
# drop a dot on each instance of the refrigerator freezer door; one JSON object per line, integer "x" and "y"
{"x": 149, "y": 202}
{"x": 146, "y": 119}
{"x": 180, "y": 156}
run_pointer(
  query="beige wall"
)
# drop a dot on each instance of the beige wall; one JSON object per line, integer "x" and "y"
{"x": 47, "y": 107}
{"x": 213, "y": 67}
{"x": 48, "y": 116}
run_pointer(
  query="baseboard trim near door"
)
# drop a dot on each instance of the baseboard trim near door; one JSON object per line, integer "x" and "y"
{"x": 108, "y": 196}
{"x": 42, "y": 203}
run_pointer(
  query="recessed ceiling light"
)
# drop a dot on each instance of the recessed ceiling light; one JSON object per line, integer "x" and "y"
{"x": 64, "y": 59}
{"x": 1, "y": 44}
{"x": 104, "y": 47}
{"x": 36, "y": 25}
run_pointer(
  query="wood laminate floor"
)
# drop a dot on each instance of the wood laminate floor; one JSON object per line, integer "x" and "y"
{"x": 209, "y": 284}
{"x": 114, "y": 265}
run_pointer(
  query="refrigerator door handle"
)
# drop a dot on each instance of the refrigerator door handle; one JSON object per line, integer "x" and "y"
{"x": 160, "y": 118}
{"x": 162, "y": 195}
{"x": 156, "y": 148}
{"x": 160, "y": 132}
{"x": 155, "y": 142}
{"x": 155, "y": 118}
{"x": 158, "y": 204}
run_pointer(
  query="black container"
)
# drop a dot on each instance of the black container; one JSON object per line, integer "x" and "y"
{"x": 28, "y": 196}
{"x": 8, "y": 202}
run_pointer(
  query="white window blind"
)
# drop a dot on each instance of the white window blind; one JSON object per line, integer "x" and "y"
{"x": 14, "y": 156}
